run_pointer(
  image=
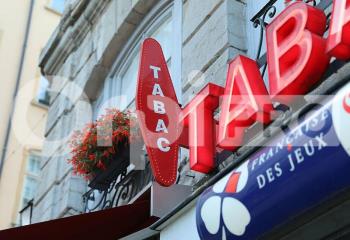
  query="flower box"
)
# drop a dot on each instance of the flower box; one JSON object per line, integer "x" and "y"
{"x": 101, "y": 151}
{"x": 114, "y": 167}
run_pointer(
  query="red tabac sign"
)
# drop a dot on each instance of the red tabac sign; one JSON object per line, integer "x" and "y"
{"x": 296, "y": 50}
{"x": 297, "y": 56}
{"x": 338, "y": 42}
{"x": 155, "y": 102}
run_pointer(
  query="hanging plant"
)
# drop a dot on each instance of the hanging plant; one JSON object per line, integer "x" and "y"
{"x": 102, "y": 148}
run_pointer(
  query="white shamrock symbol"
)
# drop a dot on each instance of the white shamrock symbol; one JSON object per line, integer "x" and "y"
{"x": 234, "y": 214}
{"x": 341, "y": 116}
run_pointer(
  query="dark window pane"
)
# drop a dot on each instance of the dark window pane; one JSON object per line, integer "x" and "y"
{"x": 43, "y": 93}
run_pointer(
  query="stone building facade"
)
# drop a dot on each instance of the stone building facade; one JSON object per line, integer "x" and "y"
{"x": 92, "y": 62}
{"x": 92, "y": 59}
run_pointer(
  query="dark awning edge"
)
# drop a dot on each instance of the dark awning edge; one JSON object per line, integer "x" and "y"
{"x": 107, "y": 224}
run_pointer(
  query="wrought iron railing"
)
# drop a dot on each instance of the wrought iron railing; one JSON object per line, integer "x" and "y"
{"x": 121, "y": 191}
{"x": 26, "y": 214}
{"x": 268, "y": 12}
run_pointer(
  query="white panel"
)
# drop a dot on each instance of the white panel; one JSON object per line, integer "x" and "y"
{"x": 184, "y": 227}
{"x": 164, "y": 199}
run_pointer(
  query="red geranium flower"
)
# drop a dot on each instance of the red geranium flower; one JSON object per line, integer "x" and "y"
{"x": 89, "y": 148}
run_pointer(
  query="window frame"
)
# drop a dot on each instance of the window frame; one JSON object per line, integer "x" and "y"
{"x": 37, "y": 98}
{"x": 112, "y": 87}
{"x": 134, "y": 50}
{"x": 27, "y": 174}
{"x": 37, "y": 157}
{"x": 167, "y": 16}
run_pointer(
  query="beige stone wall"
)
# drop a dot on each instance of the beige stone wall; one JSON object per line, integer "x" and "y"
{"x": 29, "y": 118}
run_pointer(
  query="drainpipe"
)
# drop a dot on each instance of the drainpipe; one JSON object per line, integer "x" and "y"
{"x": 18, "y": 79}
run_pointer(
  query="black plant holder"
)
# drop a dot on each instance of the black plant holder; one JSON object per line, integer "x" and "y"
{"x": 114, "y": 167}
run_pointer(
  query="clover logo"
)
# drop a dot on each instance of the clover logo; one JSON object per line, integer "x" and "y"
{"x": 346, "y": 104}
{"x": 341, "y": 116}
{"x": 221, "y": 212}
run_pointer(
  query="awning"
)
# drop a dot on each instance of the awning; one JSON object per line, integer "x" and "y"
{"x": 108, "y": 224}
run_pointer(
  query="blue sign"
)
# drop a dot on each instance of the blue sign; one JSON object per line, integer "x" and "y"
{"x": 295, "y": 172}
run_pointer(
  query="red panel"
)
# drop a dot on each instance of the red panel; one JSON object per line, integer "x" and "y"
{"x": 232, "y": 183}
{"x": 296, "y": 50}
{"x": 346, "y": 105}
{"x": 198, "y": 117}
{"x": 245, "y": 101}
{"x": 157, "y": 100}
{"x": 338, "y": 44}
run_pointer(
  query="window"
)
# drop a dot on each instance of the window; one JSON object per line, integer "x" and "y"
{"x": 129, "y": 79}
{"x": 43, "y": 95}
{"x": 162, "y": 32}
{"x": 57, "y": 5}
{"x": 29, "y": 190}
{"x": 31, "y": 178}
{"x": 33, "y": 166}
{"x": 165, "y": 36}
{"x": 120, "y": 88}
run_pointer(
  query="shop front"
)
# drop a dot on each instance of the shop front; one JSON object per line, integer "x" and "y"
{"x": 291, "y": 176}
{"x": 262, "y": 155}
{"x": 297, "y": 185}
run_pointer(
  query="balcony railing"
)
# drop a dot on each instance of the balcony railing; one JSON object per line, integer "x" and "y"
{"x": 268, "y": 12}
{"x": 121, "y": 191}
{"x": 25, "y": 215}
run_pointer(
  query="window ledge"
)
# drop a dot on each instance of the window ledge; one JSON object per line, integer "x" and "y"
{"x": 47, "y": 7}
{"x": 36, "y": 103}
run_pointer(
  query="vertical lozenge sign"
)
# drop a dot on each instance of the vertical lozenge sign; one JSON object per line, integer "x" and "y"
{"x": 157, "y": 110}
